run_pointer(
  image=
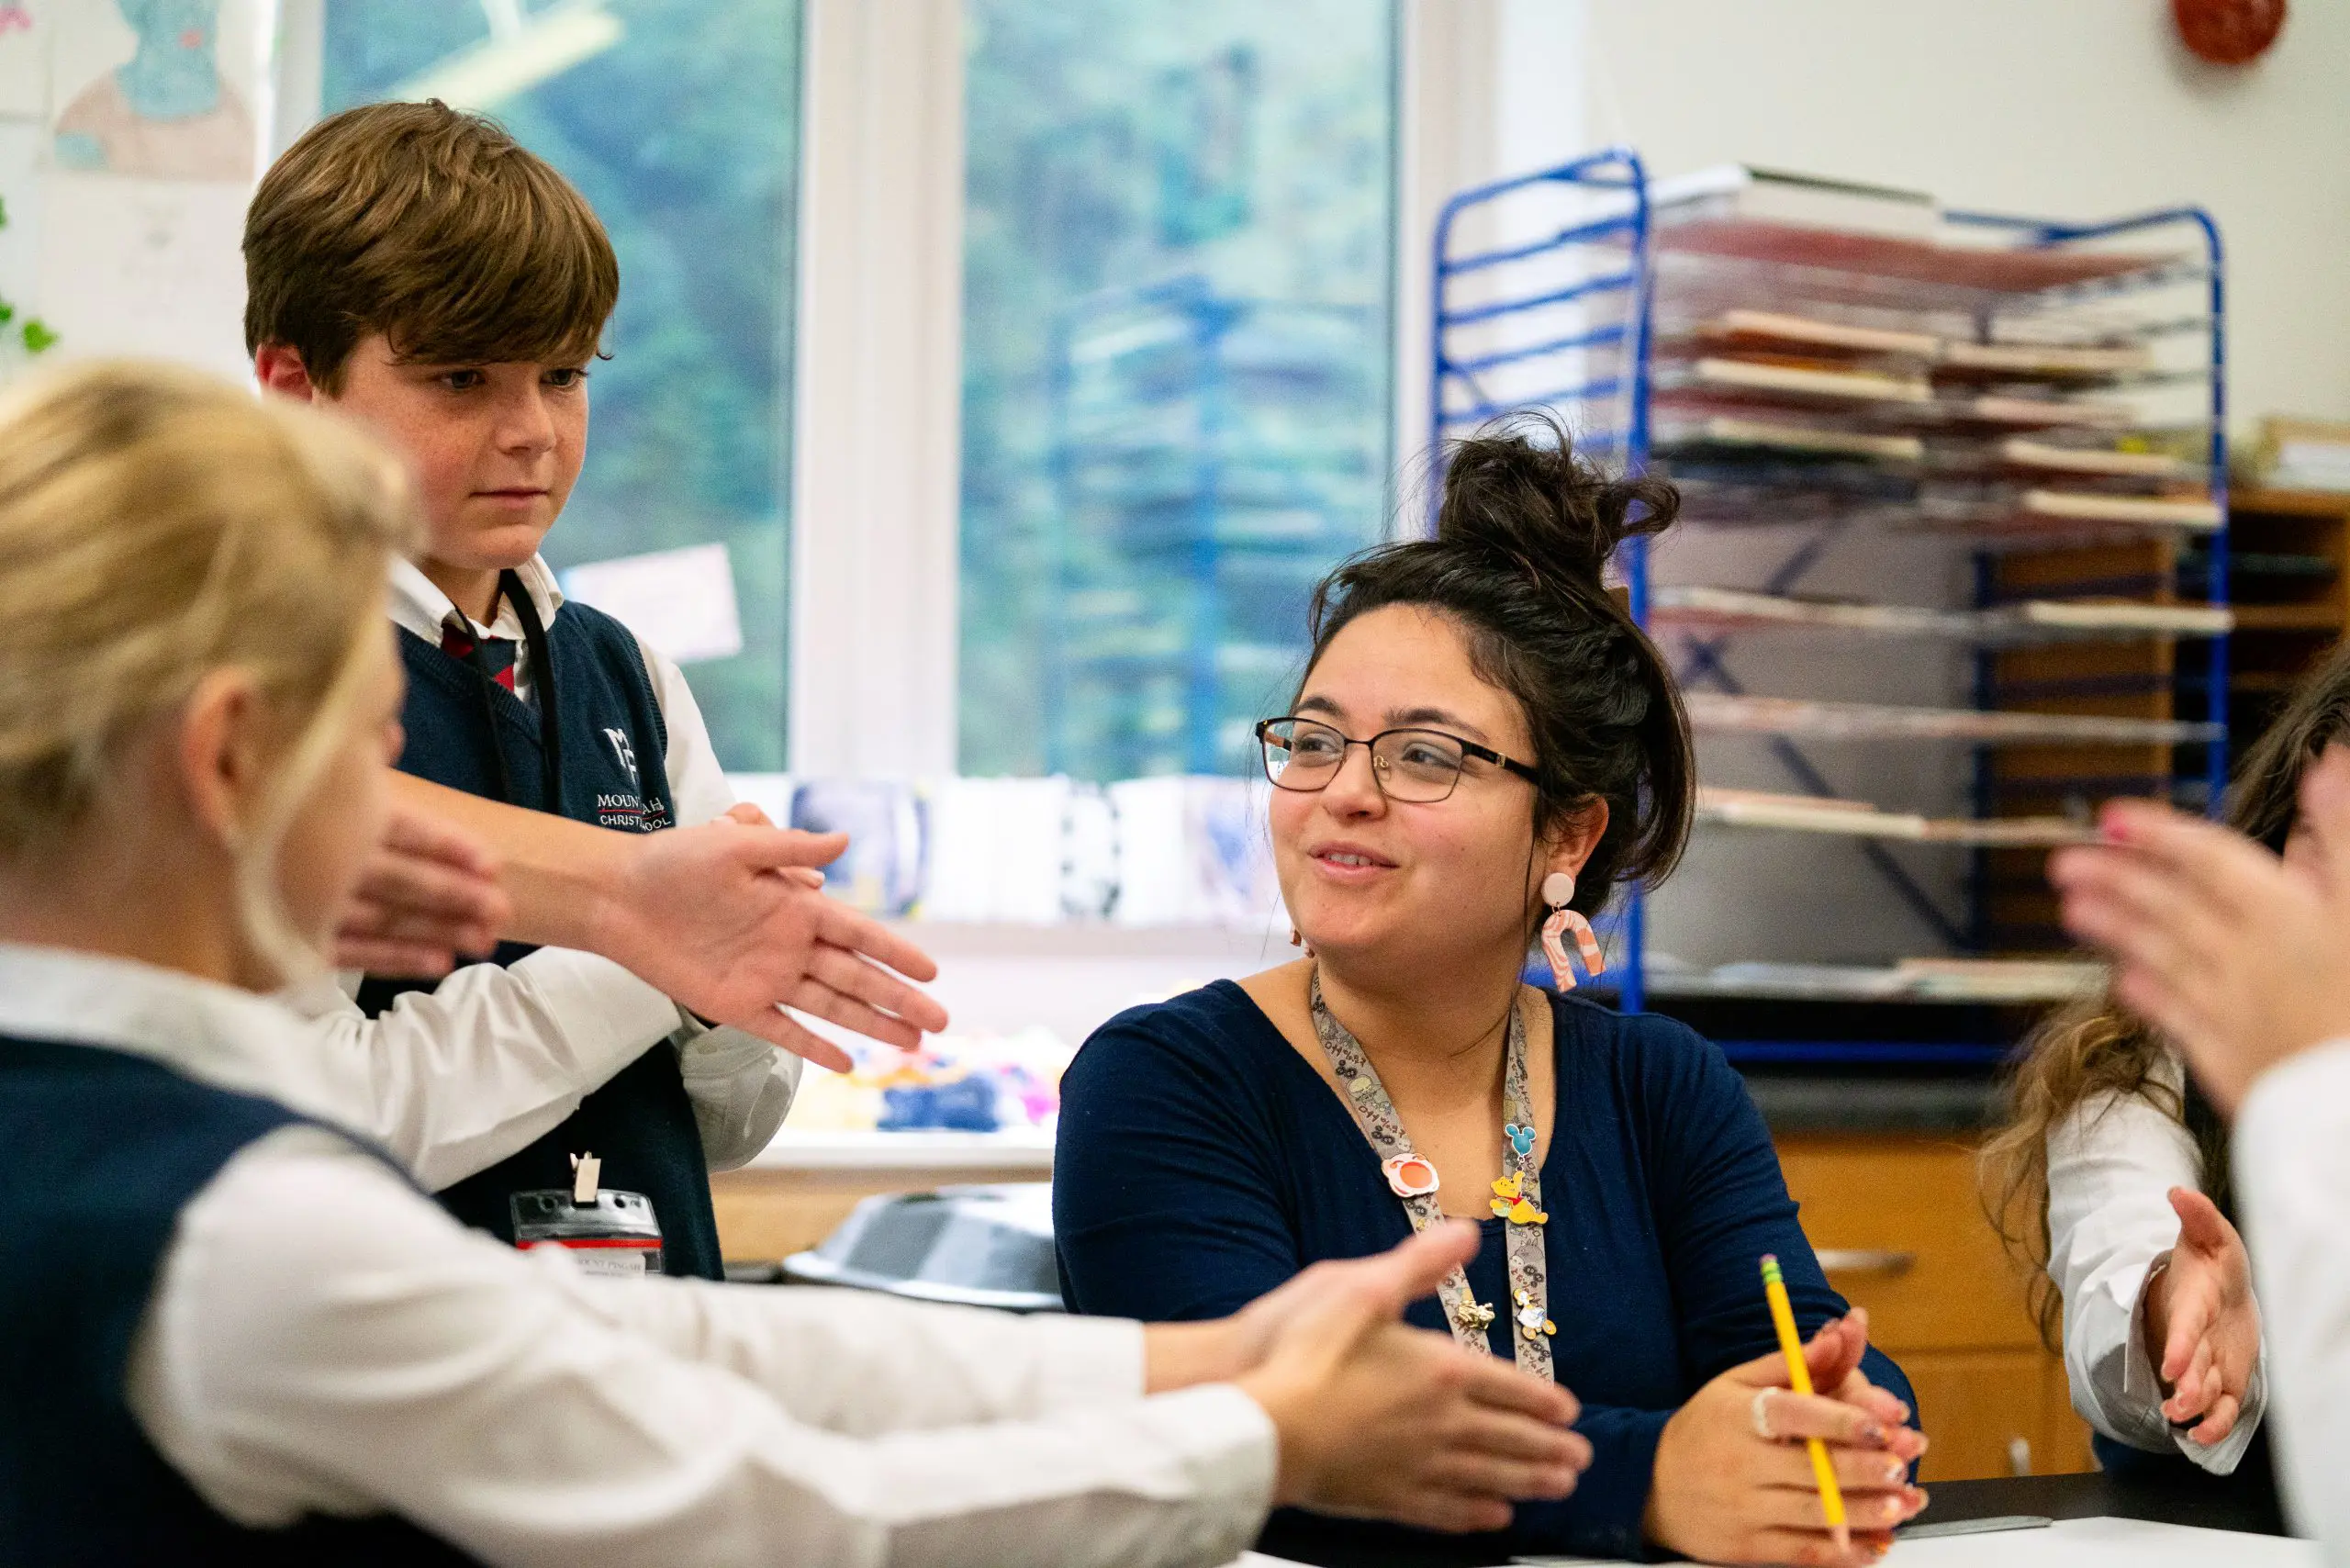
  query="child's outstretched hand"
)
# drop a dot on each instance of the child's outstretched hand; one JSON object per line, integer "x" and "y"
{"x": 2202, "y": 1324}
{"x": 429, "y": 895}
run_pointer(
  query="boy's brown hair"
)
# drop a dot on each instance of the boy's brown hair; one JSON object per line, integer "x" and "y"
{"x": 434, "y": 227}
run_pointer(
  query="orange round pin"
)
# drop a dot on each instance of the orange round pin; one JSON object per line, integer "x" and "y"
{"x": 1410, "y": 1175}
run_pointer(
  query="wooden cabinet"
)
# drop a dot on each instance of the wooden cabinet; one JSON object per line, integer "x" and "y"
{"x": 1898, "y": 1228}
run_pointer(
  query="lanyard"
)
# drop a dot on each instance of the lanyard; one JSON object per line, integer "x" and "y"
{"x": 1516, "y": 1197}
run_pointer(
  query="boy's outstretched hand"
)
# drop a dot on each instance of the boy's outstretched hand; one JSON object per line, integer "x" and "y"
{"x": 727, "y": 919}
{"x": 1381, "y": 1421}
{"x": 2241, "y": 959}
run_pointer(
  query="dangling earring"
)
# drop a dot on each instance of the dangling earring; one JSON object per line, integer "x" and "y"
{"x": 1558, "y": 887}
{"x": 1296, "y": 940}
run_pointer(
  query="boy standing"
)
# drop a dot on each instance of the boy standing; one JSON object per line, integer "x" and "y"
{"x": 418, "y": 269}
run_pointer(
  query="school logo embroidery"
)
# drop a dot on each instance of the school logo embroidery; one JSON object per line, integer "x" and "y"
{"x": 626, "y": 753}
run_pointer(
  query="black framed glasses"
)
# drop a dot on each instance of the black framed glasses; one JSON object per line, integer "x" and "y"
{"x": 1418, "y": 766}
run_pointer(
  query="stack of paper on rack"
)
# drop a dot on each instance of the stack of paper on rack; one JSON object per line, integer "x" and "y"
{"x": 1786, "y": 437}
{"x": 2022, "y": 452}
{"x": 2084, "y": 506}
{"x": 1777, "y": 330}
{"x": 1744, "y": 193}
{"x": 2050, "y": 362}
{"x": 1857, "y": 819}
{"x": 1734, "y": 607}
{"x": 2031, "y": 620}
{"x": 2033, "y": 413}
{"x": 1751, "y": 378}
{"x": 1716, "y": 713}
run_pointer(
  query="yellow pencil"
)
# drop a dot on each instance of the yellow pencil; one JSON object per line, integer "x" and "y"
{"x": 1782, "y": 1319}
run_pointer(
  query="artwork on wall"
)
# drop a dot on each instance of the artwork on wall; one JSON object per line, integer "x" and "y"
{"x": 144, "y": 88}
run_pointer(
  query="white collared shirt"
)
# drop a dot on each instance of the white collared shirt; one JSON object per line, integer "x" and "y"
{"x": 2292, "y": 1160}
{"x": 475, "y": 1068}
{"x": 2111, "y": 1165}
{"x": 322, "y": 1340}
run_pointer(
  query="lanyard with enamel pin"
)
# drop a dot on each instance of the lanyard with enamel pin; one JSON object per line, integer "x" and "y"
{"x": 1516, "y": 1197}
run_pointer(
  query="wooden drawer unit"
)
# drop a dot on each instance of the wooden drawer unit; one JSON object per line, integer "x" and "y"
{"x": 1899, "y": 1229}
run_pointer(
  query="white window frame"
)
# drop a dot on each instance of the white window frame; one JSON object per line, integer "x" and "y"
{"x": 876, "y": 353}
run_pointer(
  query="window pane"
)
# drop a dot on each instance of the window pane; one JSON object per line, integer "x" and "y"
{"x": 1176, "y": 350}
{"x": 679, "y": 119}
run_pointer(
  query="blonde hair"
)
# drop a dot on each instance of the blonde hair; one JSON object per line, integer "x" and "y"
{"x": 156, "y": 525}
{"x": 2094, "y": 1048}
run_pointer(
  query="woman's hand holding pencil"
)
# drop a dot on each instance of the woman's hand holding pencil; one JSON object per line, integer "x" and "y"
{"x": 1723, "y": 1491}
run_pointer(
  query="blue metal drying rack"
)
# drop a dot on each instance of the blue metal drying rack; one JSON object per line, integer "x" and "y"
{"x": 1604, "y": 273}
{"x": 1608, "y": 258}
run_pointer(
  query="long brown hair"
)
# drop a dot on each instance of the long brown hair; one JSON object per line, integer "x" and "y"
{"x": 2093, "y": 1047}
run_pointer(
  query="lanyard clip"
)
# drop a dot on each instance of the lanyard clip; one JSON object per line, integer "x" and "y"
{"x": 586, "y": 1172}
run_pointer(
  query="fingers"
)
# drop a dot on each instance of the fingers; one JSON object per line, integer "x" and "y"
{"x": 855, "y": 978}
{"x": 818, "y": 1000}
{"x": 1831, "y": 1355}
{"x": 401, "y": 960}
{"x": 2188, "y": 1342}
{"x": 844, "y": 927}
{"x": 786, "y": 1034}
{"x": 774, "y": 848}
{"x": 1454, "y": 1513}
{"x": 1495, "y": 1477}
{"x": 749, "y": 815}
{"x": 1498, "y": 1385}
{"x": 1414, "y": 1269}
{"x": 1834, "y": 1353}
{"x": 422, "y": 835}
{"x": 2225, "y": 1411}
{"x": 1814, "y": 1549}
{"x": 1799, "y": 1508}
{"x": 2196, "y": 1389}
{"x": 1858, "y": 1391}
{"x": 2219, "y": 870}
{"x": 2201, "y": 1224}
{"x": 1794, "y": 1415}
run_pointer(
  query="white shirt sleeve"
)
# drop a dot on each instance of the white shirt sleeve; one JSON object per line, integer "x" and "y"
{"x": 453, "y": 1079}
{"x": 321, "y": 1340}
{"x": 2111, "y": 1164}
{"x": 741, "y": 1086}
{"x": 2292, "y": 1160}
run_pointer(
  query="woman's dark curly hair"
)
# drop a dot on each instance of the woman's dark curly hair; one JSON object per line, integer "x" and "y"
{"x": 1524, "y": 530}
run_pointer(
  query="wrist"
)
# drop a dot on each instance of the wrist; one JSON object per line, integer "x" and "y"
{"x": 1182, "y": 1355}
{"x": 599, "y": 886}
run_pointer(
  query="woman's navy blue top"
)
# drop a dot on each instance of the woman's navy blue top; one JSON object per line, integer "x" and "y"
{"x": 1202, "y": 1162}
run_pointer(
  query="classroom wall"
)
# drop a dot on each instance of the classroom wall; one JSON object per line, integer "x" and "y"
{"x": 2079, "y": 108}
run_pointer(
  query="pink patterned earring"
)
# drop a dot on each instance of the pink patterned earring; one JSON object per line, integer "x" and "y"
{"x": 1558, "y": 887}
{"x": 1297, "y": 940}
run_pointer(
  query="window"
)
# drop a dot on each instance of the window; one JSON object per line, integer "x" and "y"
{"x": 679, "y": 121}
{"x": 1177, "y": 332}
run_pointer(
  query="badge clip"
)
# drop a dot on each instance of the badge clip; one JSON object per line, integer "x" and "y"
{"x": 585, "y": 1173}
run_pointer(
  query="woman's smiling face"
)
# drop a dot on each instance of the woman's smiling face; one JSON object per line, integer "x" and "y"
{"x": 1366, "y": 876}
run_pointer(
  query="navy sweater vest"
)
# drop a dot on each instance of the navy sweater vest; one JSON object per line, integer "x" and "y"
{"x": 470, "y": 734}
{"x": 99, "y": 1152}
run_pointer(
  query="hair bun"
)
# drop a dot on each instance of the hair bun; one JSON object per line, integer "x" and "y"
{"x": 1518, "y": 488}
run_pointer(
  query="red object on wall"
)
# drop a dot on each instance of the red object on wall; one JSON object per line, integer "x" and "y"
{"x": 2229, "y": 32}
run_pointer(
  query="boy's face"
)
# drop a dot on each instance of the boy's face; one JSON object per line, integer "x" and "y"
{"x": 496, "y": 448}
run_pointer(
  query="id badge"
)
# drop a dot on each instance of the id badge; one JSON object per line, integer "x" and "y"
{"x": 615, "y": 1233}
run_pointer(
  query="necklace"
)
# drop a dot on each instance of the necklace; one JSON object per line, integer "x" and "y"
{"x": 1516, "y": 1197}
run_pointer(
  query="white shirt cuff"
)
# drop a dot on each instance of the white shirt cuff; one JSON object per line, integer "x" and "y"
{"x": 607, "y": 1014}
